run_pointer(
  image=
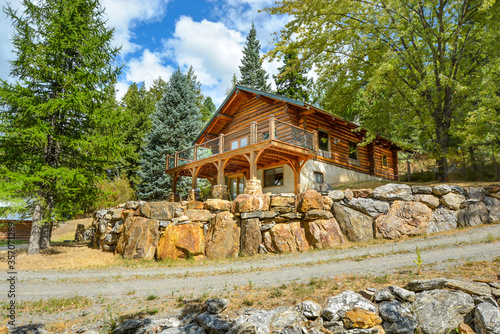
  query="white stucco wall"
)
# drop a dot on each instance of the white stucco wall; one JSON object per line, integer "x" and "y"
{"x": 287, "y": 187}
{"x": 332, "y": 174}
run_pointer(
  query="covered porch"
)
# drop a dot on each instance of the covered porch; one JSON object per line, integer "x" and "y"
{"x": 241, "y": 153}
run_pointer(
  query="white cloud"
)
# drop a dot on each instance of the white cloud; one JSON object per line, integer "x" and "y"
{"x": 211, "y": 48}
{"x": 124, "y": 15}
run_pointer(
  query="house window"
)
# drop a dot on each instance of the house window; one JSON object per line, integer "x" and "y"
{"x": 324, "y": 140}
{"x": 319, "y": 177}
{"x": 265, "y": 135}
{"x": 273, "y": 177}
{"x": 243, "y": 142}
{"x": 234, "y": 145}
{"x": 384, "y": 160}
{"x": 239, "y": 143}
{"x": 353, "y": 151}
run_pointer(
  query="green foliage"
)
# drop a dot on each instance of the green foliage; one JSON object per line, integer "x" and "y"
{"x": 175, "y": 124}
{"x": 418, "y": 261}
{"x": 59, "y": 122}
{"x": 291, "y": 80}
{"x": 114, "y": 192}
{"x": 252, "y": 73}
{"x": 422, "y": 71}
{"x": 207, "y": 109}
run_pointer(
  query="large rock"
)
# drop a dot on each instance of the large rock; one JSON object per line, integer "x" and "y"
{"x": 420, "y": 285}
{"x": 453, "y": 200}
{"x": 289, "y": 319}
{"x": 251, "y": 203}
{"x": 492, "y": 188}
{"x": 493, "y": 207}
{"x": 258, "y": 214}
{"x": 282, "y": 201}
{"x": 360, "y": 318}
{"x": 217, "y": 305}
{"x": 487, "y": 319}
{"x": 438, "y": 311}
{"x": 474, "y": 214}
{"x": 286, "y": 238}
{"x": 430, "y": 200}
{"x": 404, "y": 219}
{"x": 323, "y": 233}
{"x": 355, "y": 225}
{"x": 441, "y": 189}
{"x": 213, "y": 323}
{"x": 393, "y": 192}
{"x": 255, "y": 322}
{"x": 223, "y": 237}
{"x": 159, "y": 210}
{"x": 309, "y": 309}
{"x": 317, "y": 214}
{"x": 442, "y": 219}
{"x": 327, "y": 203}
{"x": 251, "y": 237}
{"x": 217, "y": 205}
{"x": 476, "y": 193}
{"x": 181, "y": 241}
{"x": 199, "y": 215}
{"x": 337, "y": 306}
{"x": 138, "y": 239}
{"x": 421, "y": 190}
{"x": 309, "y": 200}
{"x": 368, "y": 206}
{"x": 398, "y": 319}
{"x": 474, "y": 288}
{"x": 362, "y": 193}
{"x": 336, "y": 195}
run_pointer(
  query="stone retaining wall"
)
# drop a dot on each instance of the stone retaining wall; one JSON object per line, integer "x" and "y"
{"x": 278, "y": 223}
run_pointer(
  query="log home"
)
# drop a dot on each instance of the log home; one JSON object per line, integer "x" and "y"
{"x": 290, "y": 146}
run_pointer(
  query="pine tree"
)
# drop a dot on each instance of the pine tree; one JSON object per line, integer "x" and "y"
{"x": 291, "y": 80}
{"x": 175, "y": 124}
{"x": 60, "y": 114}
{"x": 252, "y": 73}
{"x": 207, "y": 110}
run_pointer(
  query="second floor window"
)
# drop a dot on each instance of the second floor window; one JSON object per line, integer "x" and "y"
{"x": 323, "y": 140}
{"x": 353, "y": 151}
{"x": 384, "y": 160}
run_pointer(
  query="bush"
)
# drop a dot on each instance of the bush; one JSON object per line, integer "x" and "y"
{"x": 114, "y": 192}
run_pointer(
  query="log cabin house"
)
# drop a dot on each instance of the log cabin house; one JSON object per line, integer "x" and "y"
{"x": 290, "y": 146}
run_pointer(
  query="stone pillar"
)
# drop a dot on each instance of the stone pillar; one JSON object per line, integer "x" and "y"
{"x": 253, "y": 187}
{"x": 194, "y": 195}
{"x": 219, "y": 191}
{"x": 174, "y": 197}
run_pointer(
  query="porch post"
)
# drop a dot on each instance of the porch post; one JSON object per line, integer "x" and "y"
{"x": 194, "y": 182}
{"x": 219, "y": 190}
{"x": 221, "y": 143}
{"x": 174, "y": 196}
{"x": 272, "y": 127}
{"x": 176, "y": 159}
{"x": 220, "y": 173}
{"x": 195, "y": 152}
{"x": 315, "y": 141}
{"x": 167, "y": 164}
{"x": 253, "y": 133}
{"x": 253, "y": 166}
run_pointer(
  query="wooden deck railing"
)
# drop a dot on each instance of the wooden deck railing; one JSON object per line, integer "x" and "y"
{"x": 256, "y": 132}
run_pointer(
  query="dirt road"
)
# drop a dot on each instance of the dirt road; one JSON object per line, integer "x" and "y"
{"x": 476, "y": 244}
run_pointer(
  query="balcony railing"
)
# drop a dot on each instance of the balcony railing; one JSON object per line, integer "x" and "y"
{"x": 256, "y": 132}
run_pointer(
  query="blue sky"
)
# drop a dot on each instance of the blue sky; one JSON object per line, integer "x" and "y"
{"x": 157, "y": 36}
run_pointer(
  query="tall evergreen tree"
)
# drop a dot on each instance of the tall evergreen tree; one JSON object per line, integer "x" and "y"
{"x": 59, "y": 117}
{"x": 252, "y": 73}
{"x": 175, "y": 124}
{"x": 291, "y": 80}
{"x": 207, "y": 110}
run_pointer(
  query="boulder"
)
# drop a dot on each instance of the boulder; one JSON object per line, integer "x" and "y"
{"x": 452, "y": 200}
{"x": 199, "y": 215}
{"x": 476, "y": 193}
{"x": 217, "y": 205}
{"x": 473, "y": 215}
{"x": 223, "y": 237}
{"x": 487, "y": 319}
{"x": 251, "y": 236}
{"x": 348, "y": 194}
{"x": 255, "y": 322}
{"x": 398, "y": 319}
{"x": 361, "y": 318}
{"x": 286, "y": 238}
{"x": 362, "y": 193}
{"x": 127, "y": 213}
{"x": 258, "y": 214}
{"x": 251, "y": 203}
{"x": 430, "y": 200}
{"x": 291, "y": 216}
{"x": 472, "y": 288}
{"x": 384, "y": 294}
{"x": 324, "y": 233}
{"x": 438, "y": 311}
{"x": 195, "y": 205}
{"x": 336, "y": 195}
{"x": 318, "y": 214}
{"x": 492, "y": 188}
{"x": 181, "y": 241}
{"x": 493, "y": 207}
{"x": 282, "y": 201}
{"x": 159, "y": 210}
{"x": 403, "y": 294}
{"x": 79, "y": 233}
{"x": 442, "y": 219}
{"x": 133, "y": 205}
{"x": 309, "y": 200}
{"x": 213, "y": 323}
{"x": 337, "y": 306}
{"x": 404, "y": 219}
{"x": 441, "y": 189}
{"x": 420, "y": 285}
{"x": 253, "y": 187}
{"x": 217, "y": 305}
{"x": 116, "y": 214}
{"x": 327, "y": 203}
{"x": 289, "y": 319}
{"x": 421, "y": 190}
{"x": 393, "y": 192}
{"x": 138, "y": 239}
{"x": 355, "y": 225}
{"x": 368, "y": 206}
{"x": 309, "y": 309}
{"x": 465, "y": 329}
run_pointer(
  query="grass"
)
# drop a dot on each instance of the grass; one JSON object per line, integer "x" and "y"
{"x": 52, "y": 305}
{"x": 66, "y": 230}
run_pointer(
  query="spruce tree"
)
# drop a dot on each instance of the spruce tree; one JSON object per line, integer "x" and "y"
{"x": 252, "y": 73}
{"x": 207, "y": 110}
{"x": 175, "y": 124}
{"x": 291, "y": 80}
{"x": 59, "y": 115}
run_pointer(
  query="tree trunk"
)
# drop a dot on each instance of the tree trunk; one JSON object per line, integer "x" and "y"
{"x": 45, "y": 232}
{"x": 34, "y": 243}
{"x": 475, "y": 167}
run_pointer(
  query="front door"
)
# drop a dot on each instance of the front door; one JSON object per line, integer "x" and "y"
{"x": 236, "y": 186}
